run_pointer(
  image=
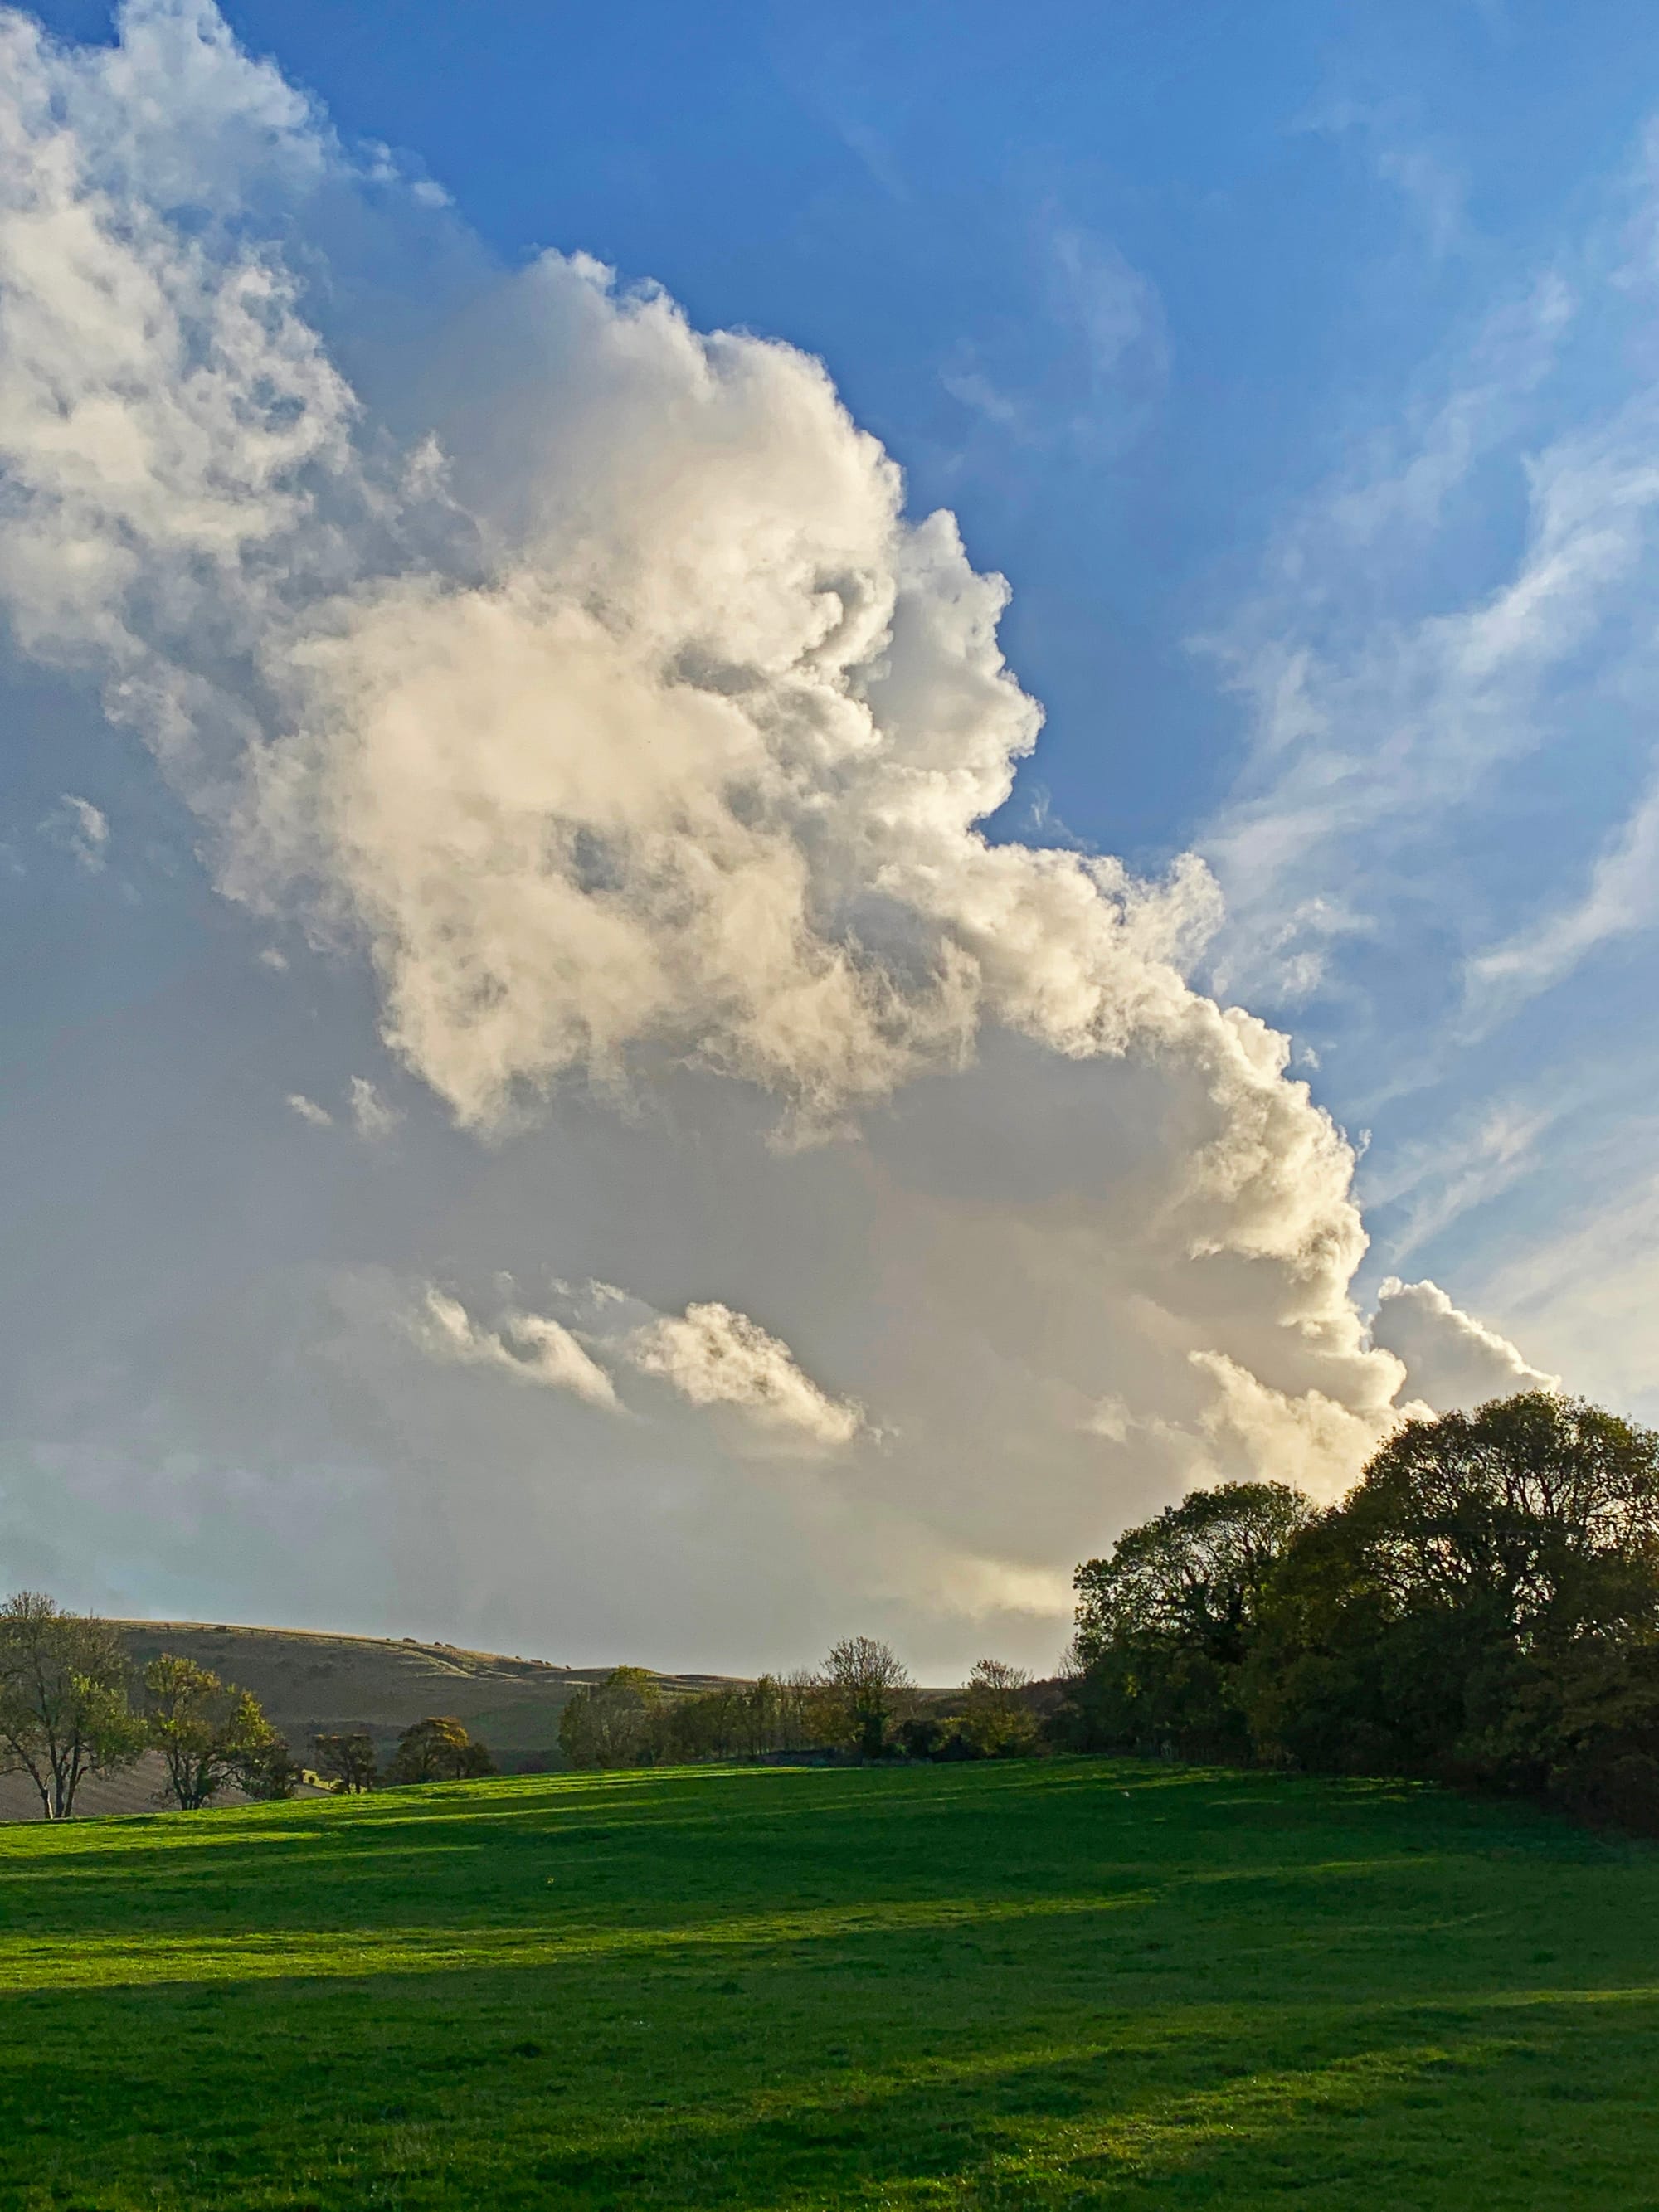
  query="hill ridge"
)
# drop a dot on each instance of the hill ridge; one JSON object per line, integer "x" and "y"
{"x": 315, "y": 1682}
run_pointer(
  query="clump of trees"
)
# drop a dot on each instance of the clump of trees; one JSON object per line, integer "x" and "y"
{"x": 350, "y": 1761}
{"x": 861, "y": 1704}
{"x": 1164, "y": 1623}
{"x": 626, "y": 1720}
{"x": 1483, "y": 1608}
{"x": 70, "y": 1705}
{"x": 615, "y": 1722}
{"x": 998, "y": 1720}
{"x": 437, "y": 1750}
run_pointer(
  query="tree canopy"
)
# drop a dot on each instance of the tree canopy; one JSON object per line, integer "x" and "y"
{"x": 438, "y": 1750}
{"x": 64, "y": 1712}
{"x": 610, "y": 1722}
{"x": 1197, "y": 1571}
{"x": 347, "y": 1759}
{"x": 209, "y": 1733}
{"x": 868, "y": 1680}
{"x": 1483, "y": 1606}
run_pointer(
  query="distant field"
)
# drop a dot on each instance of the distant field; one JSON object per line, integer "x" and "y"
{"x": 1063, "y": 1983}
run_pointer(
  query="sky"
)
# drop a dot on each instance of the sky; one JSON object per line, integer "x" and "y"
{"x": 793, "y": 806}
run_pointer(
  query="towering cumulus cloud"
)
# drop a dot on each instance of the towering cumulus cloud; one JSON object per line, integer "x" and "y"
{"x": 609, "y": 702}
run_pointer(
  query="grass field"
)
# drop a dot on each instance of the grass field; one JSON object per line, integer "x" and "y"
{"x": 1071, "y": 1983}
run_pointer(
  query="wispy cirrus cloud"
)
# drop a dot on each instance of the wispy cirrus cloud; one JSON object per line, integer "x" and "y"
{"x": 1088, "y": 369}
{"x": 1451, "y": 678}
{"x": 1621, "y": 900}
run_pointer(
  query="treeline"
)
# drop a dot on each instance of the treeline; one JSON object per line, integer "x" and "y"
{"x": 1482, "y": 1608}
{"x": 861, "y": 1704}
{"x": 72, "y": 1704}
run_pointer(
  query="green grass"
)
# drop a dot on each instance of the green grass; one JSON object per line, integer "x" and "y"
{"x": 1073, "y": 1983}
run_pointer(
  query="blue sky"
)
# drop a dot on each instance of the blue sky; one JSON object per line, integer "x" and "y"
{"x": 1295, "y": 365}
{"x": 1319, "y": 201}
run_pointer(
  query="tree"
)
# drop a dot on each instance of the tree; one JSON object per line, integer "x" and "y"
{"x": 1483, "y": 1607}
{"x": 1165, "y": 1622}
{"x": 801, "y": 1718}
{"x": 760, "y": 1719}
{"x": 209, "y": 1733}
{"x": 613, "y": 1723}
{"x": 438, "y": 1750}
{"x": 64, "y": 1704}
{"x": 923, "y": 1736}
{"x": 998, "y": 1723}
{"x": 1540, "y": 1511}
{"x": 1196, "y": 1573}
{"x": 715, "y": 1724}
{"x": 868, "y": 1680}
{"x": 349, "y": 1761}
{"x": 263, "y": 1766}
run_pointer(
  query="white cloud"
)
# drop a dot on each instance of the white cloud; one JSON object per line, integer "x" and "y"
{"x": 1090, "y": 361}
{"x": 1431, "y": 186}
{"x": 1452, "y": 673}
{"x": 1116, "y": 308}
{"x": 1622, "y": 898}
{"x": 1377, "y": 723}
{"x": 1365, "y": 762}
{"x": 372, "y": 1116}
{"x": 713, "y": 1355}
{"x": 972, "y": 1589}
{"x": 78, "y": 828}
{"x": 309, "y": 1110}
{"x": 160, "y": 397}
{"x": 1451, "y": 1359}
{"x": 710, "y": 1355}
{"x": 1110, "y": 1417}
{"x": 1430, "y": 1185}
{"x": 1313, "y": 1442}
{"x": 1584, "y": 1290}
{"x": 637, "y": 740}
{"x": 528, "y": 1347}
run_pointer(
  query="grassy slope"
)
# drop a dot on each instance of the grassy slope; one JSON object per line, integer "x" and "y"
{"x": 310, "y": 1682}
{"x": 1066, "y": 1983}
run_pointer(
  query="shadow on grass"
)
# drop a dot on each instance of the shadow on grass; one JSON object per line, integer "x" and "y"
{"x": 1023, "y": 2128}
{"x": 1158, "y": 2110}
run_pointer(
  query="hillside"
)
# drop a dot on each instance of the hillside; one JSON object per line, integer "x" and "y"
{"x": 314, "y": 1683}
{"x": 1065, "y": 1983}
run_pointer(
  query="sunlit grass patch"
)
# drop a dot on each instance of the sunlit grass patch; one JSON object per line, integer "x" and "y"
{"x": 1065, "y": 1984}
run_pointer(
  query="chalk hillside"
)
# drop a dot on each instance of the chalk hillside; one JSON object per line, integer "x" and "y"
{"x": 314, "y": 1683}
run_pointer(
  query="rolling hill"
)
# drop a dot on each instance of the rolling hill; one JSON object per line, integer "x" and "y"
{"x": 313, "y": 1683}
